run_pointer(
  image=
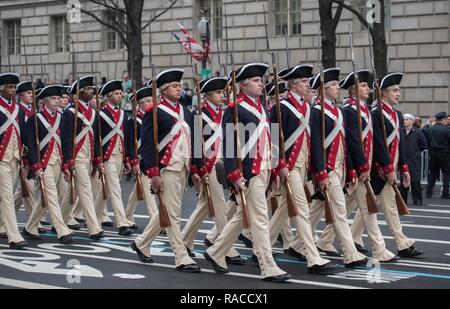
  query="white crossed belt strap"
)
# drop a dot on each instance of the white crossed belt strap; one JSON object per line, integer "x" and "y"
{"x": 88, "y": 125}
{"x": 52, "y": 131}
{"x": 337, "y": 128}
{"x": 139, "y": 120}
{"x": 368, "y": 120}
{"x": 217, "y": 128}
{"x": 263, "y": 124}
{"x": 395, "y": 132}
{"x": 304, "y": 123}
{"x": 114, "y": 126}
{"x": 181, "y": 124}
{"x": 10, "y": 119}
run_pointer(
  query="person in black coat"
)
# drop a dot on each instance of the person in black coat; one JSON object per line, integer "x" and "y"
{"x": 438, "y": 137}
{"x": 414, "y": 143}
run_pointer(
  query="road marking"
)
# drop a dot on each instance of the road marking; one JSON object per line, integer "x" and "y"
{"x": 434, "y": 211}
{"x": 27, "y": 284}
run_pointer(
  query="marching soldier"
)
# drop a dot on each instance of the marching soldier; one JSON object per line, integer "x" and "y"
{"x": 112, "y": 119}
{"x": 25, "y": 94}
{"x": 169, "y": 176}
{"x": 144, "y": 100}
{"x": 254, "y": 181}
{"x": 49, "y": 166}
{"x": 295, "y": 117}
{"x": 12, "y": 127}
{"x": 359, "y": 161}
{"x": 331, "y": 176}
{"x": 212, "y": 130}
{"x": 86, "y": 151}
{"x": 383, "y": 173}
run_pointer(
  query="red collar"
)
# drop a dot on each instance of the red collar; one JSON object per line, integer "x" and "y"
{"x": 217, "y": 116}
{"x": 11, "y": 107}
{"x": 140, "y": 114}
{"x": 50, "y": 118}
{"x": 249, "y": 101}
{"x": 175, "y": 109}
{"x": 297, "y": 104}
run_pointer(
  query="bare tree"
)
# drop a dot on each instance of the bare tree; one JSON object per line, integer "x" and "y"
{"x": 328, "y": 25}
{"x": 129, "y": 31}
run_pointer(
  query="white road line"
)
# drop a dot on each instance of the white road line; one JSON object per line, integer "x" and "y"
{"x": 429, "y": 217}
{"x": 324, "y": 284}
{"x": 434, "y": 211}
{"x": 27, "y": 284}
{"x": 439, "y": 205}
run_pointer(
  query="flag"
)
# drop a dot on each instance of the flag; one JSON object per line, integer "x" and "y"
{"x": 191, "y": 46}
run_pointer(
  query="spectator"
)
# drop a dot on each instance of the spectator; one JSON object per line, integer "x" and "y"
{"x": 127, "y": 83}
{"x": 186, "y": 95}
{"x": 448, "y": 121}
{"x": 438, "y": 138}
{"x": 418, "y": 122}
{"x": 414, "y": 143}
{"x": 103, "y": 80}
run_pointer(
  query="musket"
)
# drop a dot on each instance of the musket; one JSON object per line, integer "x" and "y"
{"x": 72, "y": 194}
{"x": 401, "y": 205}
{"x": 40, "y": 180}
{"x": 139, "y": 187}
{"x": 291, "y": 207}
{"x": 245, "y": 214}
{"x": 101, "y": 174}
{"x": 164, "y": 220}
{"x": 370, "y": 196}
{"x": 328, "y": 211}
{"x": 23, "y": 183}
{"x": 286, "y": 46}
{"x": 206, "y": 182}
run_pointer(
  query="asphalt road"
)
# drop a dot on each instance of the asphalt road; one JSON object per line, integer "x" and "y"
{"x": 111, "y": 263}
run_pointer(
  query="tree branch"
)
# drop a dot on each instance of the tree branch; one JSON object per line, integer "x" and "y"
{"x": 337, "y": 17}
{"x": 351, "y": 9}
{"x": 114, "y": 6}
{"x": 159, "y": 14}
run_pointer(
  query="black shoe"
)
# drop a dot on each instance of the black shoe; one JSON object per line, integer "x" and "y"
{"x": 18, "y": 245}
{"x": 41, "y": 230}
{"x": 279, "y": 278}
{"x": 75, "y": 227}
{"x": 292, "y": 252}
{"x": 107, "y": 224}
{"x": 217, "y": 268}
{"x": 125, "y": 231}
{"x": 446, "y": 197}
{"x": 354, "y": 264}
{"x": 163, "y": 232}
{"x": 247, "y": 242}
{"x": 53, "y": 230}
{"x": 3, "y": 236}
{"x": 28, "y": 235}
{"x": 80, "y": 220}
{"x": 393, "y": 260}
{"x": 329, "y": 253}
{"x": 190, "y": 268}
{"x": 324, "y": 270}
{"x": 207, "y": 242}
{"x": 280, "y": 238}
{"x": 428, "y": 195}
{"x": 97, "y": 236}
{"x": 134, "y": 227}
{"x": 361, "y": 249}
{"x": 235, "y": 260}
{"x": 44, "y": 223}
{"x": 142, "y": 256}
{"x": 189, "y": 251}
{"x": 65, "y": 240}
{"x": 411, "y": 252}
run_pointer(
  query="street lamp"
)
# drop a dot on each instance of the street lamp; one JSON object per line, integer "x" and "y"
{"x": 203, "y": 30}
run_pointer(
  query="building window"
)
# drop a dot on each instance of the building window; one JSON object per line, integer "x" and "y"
{"x": 365, "y": 10}
{"x": 212, "y": 10}
{"x": 61, "y": 34}
{"x": 112, "y": 40}
{"x": 286, "y": 17}
{"x": 13, "y": 37}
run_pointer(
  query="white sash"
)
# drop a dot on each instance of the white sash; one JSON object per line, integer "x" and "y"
{"x": 115, "y": 127}
{"x": 217, "y": 128}
{"x": 88, "y": 125}
{"x": 262, "y": 124}
{"x": 52, "y": 131}
{"x": 304, "y": 123}
{"x": 368, "y": 120}
{"x": 10, "y": 119}
{"x": 338, "y": 127}
{"x": 181, "y": 123}
{"x": 395, "y": 125}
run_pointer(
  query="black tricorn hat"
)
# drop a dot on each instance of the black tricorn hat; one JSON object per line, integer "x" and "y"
{"x": 300, "y": 71}
{"x": 110, "y": 87}
{"x": 142, "y": 93}
{"x": 250, "y": 70}
{"x": 390, "y": 80}
{"x": 270, "y": 88}
{"x": 9, "y": 79}
{"x": 213, "y": 84}
{"x": 169, "y": 76}
{"x": 349, "y": 80}
{"x": 329, "y": 75}
{"x": 48, "y": 91}
{"x": 85, "y": 81}
{"x": 24, "y": 86}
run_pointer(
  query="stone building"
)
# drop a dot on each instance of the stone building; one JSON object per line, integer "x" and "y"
{"x": 417, "y": 35}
